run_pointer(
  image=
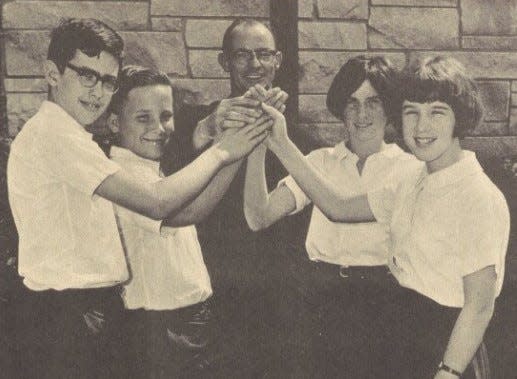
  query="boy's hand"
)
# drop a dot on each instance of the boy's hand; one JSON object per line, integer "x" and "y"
{"x": 278, "y": 135}
{"x": 237, "y": 143}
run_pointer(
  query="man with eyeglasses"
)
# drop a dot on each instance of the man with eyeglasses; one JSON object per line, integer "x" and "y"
{"x": 61, "y": 191}
{"x": 241, "y": 263}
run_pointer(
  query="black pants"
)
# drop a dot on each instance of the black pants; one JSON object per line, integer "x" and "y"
{"x": 69, "y": 334}
{"x": 415, "y": 331}
{"x": 170, "y": 343}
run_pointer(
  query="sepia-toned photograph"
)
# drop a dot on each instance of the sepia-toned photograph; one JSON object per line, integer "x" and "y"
{"x": 258, "y": 189}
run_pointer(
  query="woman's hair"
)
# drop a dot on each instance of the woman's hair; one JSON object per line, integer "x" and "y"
{"x": 443, "y": 79}
{"x": 377, "y": 70}
{"x": 133, "y": 77}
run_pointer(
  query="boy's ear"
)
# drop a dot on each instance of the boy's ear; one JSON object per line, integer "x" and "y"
{"x": 113, "y": 123}
{"x": 224, "y": 62}
{"x": 52, "y": 74}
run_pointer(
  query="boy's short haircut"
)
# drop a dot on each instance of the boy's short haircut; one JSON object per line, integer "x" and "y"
{"x": 228, "y": 34}
{"x": 381, "y": 74}
{"x": 444, "y": 79}
{"x": 133, "y": 76}
{"x": 88, "y": 35}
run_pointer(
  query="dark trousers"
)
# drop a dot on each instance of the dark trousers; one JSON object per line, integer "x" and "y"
{"x": 69, "y": 334}
{"x": 170, "y": 343}
{"x": 416, "y": 332}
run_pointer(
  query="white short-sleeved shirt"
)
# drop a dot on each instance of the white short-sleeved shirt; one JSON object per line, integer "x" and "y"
{"x": 68, "y": 236}
{"x": 166, "y": 264}
{"x": 444, "y": 226}
{"x": 350, "y": 244}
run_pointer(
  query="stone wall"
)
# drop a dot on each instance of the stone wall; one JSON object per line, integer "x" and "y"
{"x": 481, "y": 34}
{"x": 179, "y": 37}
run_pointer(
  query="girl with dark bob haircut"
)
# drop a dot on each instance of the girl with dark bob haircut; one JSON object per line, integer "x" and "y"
{"x": 443, "y": 79}
{"x": 377, "y": 70}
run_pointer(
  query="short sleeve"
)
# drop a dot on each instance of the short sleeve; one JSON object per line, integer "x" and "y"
{"x": 77, "y": 161}
{"x": 483, "y": 236}
{"x": 300, "y": 198}
{"x": 382, "y": 202}
{"x": 316, "y": 158}
{"x": 129, "y": 218}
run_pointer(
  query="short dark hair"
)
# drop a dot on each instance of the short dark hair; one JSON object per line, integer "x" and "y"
{"x": 444, "y": 79}
{"x": 88, "y": 35}
{"x": 227, "y": 37}
{"x": 377, "y": 70}
{"x": 133, "y": 77}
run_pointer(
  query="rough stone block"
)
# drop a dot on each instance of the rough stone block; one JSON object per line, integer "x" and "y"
{"x": 491, "y": 147}
{"x": 305, "y": 8}
{"x": 218, "y": 8}
{"x": 323, "y": 134}
{"x": 199, "y": 91}
{"x": 317, "y": 69}
{"x": 490, "y": 129}
{"x": 489, "y": 42}
{"x": 494, "y": 65}
{"x": 164, "y": 51}
{"x": 46, "y": 14}
{"x": 25, "y": 52}
{"x": 25, "y": 85}
{"x": 417, "y": 3}
{"x": 512, "y": 127}
{"x": 331, "y": 35}
{"x": 21, "y": 107}
{"x": 496, "y": 98}
{"x": 166, "y": 24}
{"x": 205, "y": 33}
{"x": 345, "y": 9}
{"x": 494, "y": 17}
{"x": 514, "y": 86}
{"x": 204, "y": 64}
{"x": 414, "y": 28}
{"x": 312, "y": 109}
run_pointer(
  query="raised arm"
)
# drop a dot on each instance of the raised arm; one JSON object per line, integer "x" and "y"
{"x": 204, "y": 204}
{"x": 261, "y": 208}
{"x": 158, "y": 200}
{"x": 467, "y": 334}
{"x": 323, "y": 193}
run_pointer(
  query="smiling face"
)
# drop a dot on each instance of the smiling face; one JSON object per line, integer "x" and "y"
{"x": 244, "y": 74}
{"x": 364, "y": 116}
{"x": 84, "y": 104}
{"x": 146, "y": 120}
{"x": 428, "y": 131}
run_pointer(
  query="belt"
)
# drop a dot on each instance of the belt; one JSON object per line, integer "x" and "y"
{"x": 354, "y": 273}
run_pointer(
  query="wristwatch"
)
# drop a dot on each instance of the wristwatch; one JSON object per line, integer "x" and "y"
{"x": 442, "y": 366}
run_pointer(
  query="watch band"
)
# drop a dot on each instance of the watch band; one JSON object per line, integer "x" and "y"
{"x": 442, "y": 366}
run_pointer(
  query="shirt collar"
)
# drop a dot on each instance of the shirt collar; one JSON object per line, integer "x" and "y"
{"x": 467, "y": 166}
{"x": 54, "y": 110}
{"x": 389, "y": 150}
{"x": 125, "y": 154}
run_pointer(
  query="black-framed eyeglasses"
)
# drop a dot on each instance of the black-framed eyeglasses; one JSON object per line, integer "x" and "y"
{"x": 243, "y": 56}
{"x": 89, "y": 78}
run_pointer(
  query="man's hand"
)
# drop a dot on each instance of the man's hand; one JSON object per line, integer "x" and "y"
{"x": 274, "y": 97}
{"x": 237, "y": 143}
{"x": 233, "y": 113}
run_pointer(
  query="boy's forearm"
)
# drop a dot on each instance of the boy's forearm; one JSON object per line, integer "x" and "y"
{"x": 202, "y": 136}
{"x": 199, "y": 208}
{"x": 255, "y": 189}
